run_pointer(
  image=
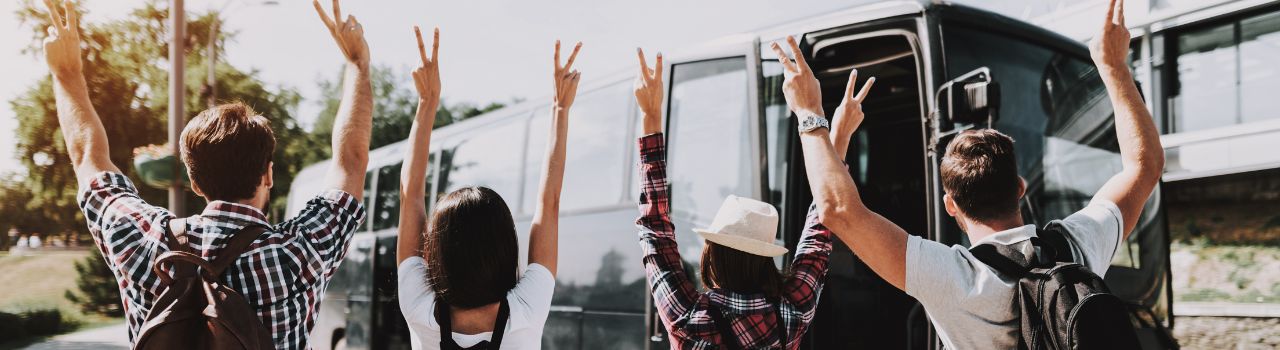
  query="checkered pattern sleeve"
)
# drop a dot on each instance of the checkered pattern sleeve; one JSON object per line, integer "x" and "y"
{"x": 809, "y": 269}
{"x": 327, "y": 223}
{"x": 128, "y": 231}
{"x": 673, "y": 293}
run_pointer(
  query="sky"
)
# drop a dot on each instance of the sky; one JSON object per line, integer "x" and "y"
{"x": 491, "y": 50}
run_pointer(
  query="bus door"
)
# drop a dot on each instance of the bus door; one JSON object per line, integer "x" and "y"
{"x": 714, "y": 144}
{"x": 1055, "y": 106}
{"x": 886, "y": 158}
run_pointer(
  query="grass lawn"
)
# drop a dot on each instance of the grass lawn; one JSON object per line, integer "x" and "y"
{"x": 40, "y": 281}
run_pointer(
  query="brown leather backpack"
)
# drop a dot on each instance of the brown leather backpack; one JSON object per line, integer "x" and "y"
{"x": 195, "y": 310}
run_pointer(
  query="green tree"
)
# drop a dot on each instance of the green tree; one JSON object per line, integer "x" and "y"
{"x": 98, "y": 292}
{"x": 395, "y": 104}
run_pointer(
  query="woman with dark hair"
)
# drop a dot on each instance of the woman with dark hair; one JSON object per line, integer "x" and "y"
{"x": 749, "y": 304}
{"x": 462, "y": 289}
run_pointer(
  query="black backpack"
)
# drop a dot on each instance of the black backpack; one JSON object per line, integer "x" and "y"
{"x": 196, "y": 310}
{"x": 1063, "y": 304}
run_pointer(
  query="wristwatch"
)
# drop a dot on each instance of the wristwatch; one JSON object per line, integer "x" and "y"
{"x": 810, "y": 121}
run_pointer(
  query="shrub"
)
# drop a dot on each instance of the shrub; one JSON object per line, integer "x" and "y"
{"x": 98, "y": 291}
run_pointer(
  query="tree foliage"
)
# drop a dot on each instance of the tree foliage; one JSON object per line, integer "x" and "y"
{"x": 97, "y": 289}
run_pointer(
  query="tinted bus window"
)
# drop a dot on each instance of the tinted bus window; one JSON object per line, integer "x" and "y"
{"x": 489, "y": 157}
{"x": 596, "y": 149}
{"x": 386, "y": 214}
{"x": 710, "y": 145}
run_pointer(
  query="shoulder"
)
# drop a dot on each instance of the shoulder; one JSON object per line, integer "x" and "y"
{"x": 938, "y": 272}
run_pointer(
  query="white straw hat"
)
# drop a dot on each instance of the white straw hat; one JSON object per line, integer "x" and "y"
{"x": 745, "y": 224}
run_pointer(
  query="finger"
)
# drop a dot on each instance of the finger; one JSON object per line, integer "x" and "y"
{"x": 337, "y": 10}
{"x": 1120, "y": 13}
{"x": 54, "y": 16}
{"x": 1111, "y": 11}
{"x": 324, "y": 17}
{"x": 782, "y": 57}
{"x": 557, "y": 56}
{"x": 850, "y": 87}
{"x": 53, "y": 31}
{"x": 422, "y": 48}
{"x": 435, "y": 46}
{"x": 644, "y": 66}
{"x": 73, "y": 19}
{"x": 657, "y": 70}
{"x": 866, "y": 89}
{"x": 799, "y": 56}
{"x": 573, "y": 55}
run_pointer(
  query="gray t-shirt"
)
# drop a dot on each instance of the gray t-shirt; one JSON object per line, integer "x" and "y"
{"x": 970, "y": 304}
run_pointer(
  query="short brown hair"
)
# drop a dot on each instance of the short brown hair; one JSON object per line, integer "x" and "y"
{"x": 471, "y": 248}
{"x": 980, "y": 173}
{"x": 738, "y": 271}
{"x": 227, "y": 149}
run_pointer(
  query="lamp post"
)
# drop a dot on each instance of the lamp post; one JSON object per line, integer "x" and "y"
{"x": 177, "y": 113}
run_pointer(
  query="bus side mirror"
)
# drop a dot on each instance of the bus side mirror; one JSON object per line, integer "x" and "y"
{"x": 971, "y": 98}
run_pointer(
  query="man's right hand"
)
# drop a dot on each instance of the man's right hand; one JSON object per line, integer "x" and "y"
{"x": 648, "y": 90}
{"x": 349, "y": 34}
{"x": 62, "y": 47}
{"x": 1110, "y": 49}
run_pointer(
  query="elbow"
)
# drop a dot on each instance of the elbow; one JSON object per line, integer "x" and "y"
{"x": 834, "y": 213}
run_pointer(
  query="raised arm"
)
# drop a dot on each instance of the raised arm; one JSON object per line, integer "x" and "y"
{"x": 877, "y": 241}
{"x": 354, "y": 121}
{"x": 544, "y": 234}
{"x": 81, "y": 129}
{"x": 1141, "y": 154}
{"x": 413, "y": 175}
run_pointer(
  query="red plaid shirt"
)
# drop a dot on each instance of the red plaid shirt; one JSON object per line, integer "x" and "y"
{"x": 283, "y": 274}
{"x": 684, "y": 310}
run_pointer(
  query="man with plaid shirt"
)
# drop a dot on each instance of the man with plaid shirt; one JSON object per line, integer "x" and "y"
{"x": 227, "y": 151}
{"x": 754, "y": 320}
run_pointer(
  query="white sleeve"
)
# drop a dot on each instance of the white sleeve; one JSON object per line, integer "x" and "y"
{"x": 1094, "y": 233}
{"x": 417, "y": 299}
{"x": 532, "y": 294}
{"x": 938, "y": 276}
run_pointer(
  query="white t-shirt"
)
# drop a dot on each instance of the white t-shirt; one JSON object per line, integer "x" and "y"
{"x": 970, "y": 304}
{"x": 529, "y": 302}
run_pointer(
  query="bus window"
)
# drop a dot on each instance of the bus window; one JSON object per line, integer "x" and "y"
{"x": 1056, "y": 108}
{"x": 595, "y": 151}
{"x": 709, "y": 133}
{"x": 386, "y": 214}
{"x": 489, "y": 157}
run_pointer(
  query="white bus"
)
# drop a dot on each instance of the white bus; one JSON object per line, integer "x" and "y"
{"x": 728, "y": 133}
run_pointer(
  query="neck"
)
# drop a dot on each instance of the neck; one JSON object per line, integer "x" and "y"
{"x": 978, "y": 230}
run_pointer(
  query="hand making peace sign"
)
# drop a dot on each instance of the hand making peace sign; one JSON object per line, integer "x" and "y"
{"x": 349, "y": 34}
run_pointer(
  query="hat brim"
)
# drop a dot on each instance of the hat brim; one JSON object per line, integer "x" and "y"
{"x": 744, "y": 244}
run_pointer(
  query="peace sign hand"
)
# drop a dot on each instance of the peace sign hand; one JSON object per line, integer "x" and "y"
{"x": 1110, "y": 49}
{"x": 648, "y": 90}
{"x": 349, "y": 34}
{"x": 799, "y": 87}
{"x": 566, "y": 79}
{"x": 849, "y": 115}
{"x": 62, "y": 46}
{"x": 427, "y": 77}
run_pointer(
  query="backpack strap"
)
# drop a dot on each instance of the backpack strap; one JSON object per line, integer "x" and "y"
{"x": 177, "y": 240}
{"x": 1003, "y": 258}
{"x": 445, "y": 320}
{"x": 499, "y": 325}
{"x": 237, "y": 245}
{"x": 1054, "y": 237}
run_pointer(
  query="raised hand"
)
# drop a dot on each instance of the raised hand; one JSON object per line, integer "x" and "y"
{"x": 62, "y": 47}
{"x": 349, "y": 34}
{"x": 849, "y": 115}
{"x": 799, "y": 86}
{"x": 1110, "y": 49}
{"x": 566, "y": 79}
{"x": 427, "y": 77}
{"x": 648, "y": 90}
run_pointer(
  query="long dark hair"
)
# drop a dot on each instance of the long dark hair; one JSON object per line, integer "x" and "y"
{"x": 741, "y": 272}
{"x": 471, "y": 248}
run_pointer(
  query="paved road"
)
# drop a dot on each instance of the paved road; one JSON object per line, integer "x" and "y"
{"x": 114, "y": 337}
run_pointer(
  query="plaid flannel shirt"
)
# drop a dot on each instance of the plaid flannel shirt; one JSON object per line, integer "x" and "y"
{"x": 684, "y": 310}
{"x": 283, "y": 274}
